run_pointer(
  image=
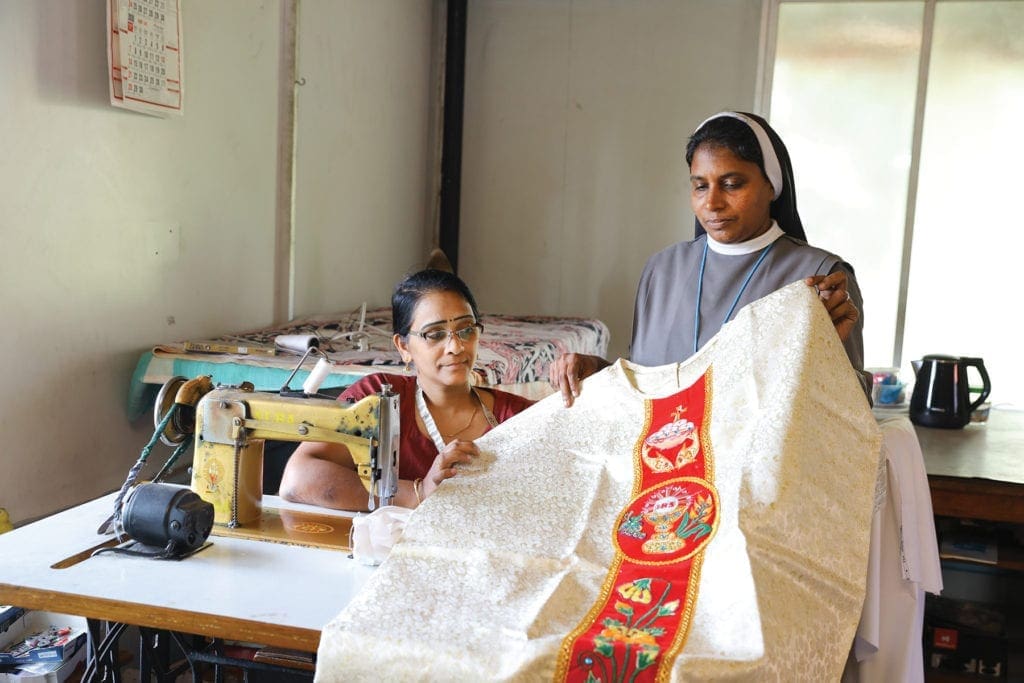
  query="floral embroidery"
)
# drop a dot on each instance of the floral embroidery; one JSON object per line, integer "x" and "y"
{"x": 628, "y": 644}
{"x": 637, "y": 591}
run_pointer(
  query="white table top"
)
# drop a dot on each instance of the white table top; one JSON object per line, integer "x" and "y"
{"x": 263, "y": 592}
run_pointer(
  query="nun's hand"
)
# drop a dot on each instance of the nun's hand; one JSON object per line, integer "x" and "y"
{"x": 567, "y": 372}
{"x": 833, "y": 292}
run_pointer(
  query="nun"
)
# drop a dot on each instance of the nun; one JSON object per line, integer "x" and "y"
{"x": 749, "y": 241}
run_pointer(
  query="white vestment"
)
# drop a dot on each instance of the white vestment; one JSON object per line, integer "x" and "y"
{"x": 504, "y": 560}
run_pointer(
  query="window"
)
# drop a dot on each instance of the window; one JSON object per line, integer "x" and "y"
{"x": 902, "y": 119}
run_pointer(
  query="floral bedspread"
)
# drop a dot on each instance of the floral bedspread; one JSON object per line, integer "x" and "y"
{"x": 513, "y": 349}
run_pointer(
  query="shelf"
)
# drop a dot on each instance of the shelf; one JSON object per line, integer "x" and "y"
{"x": 960, "y": 539}
{"x": 936, "y": 676}
{"x": 1010, "y": 558}
{"x": 994, "y": 584}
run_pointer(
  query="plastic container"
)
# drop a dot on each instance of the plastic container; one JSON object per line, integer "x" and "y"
{"x": 886, "y": 388}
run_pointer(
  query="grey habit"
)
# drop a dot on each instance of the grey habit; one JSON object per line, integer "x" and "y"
{"x": 663, "y": 322}
{"x": 666, "y": 300}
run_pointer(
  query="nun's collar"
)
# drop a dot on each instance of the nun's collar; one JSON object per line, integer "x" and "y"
{"x": 750, "y": 246}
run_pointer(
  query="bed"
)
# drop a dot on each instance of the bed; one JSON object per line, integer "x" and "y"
{"x": 514, "y": 353}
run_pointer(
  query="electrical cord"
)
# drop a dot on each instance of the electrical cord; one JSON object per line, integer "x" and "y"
{"x": 133, "y": 473}
{"x": 102, "y": 652}
{"x": 167, "y": 553}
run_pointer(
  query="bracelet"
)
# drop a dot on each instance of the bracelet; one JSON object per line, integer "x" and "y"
{"x": 416, "y": 489}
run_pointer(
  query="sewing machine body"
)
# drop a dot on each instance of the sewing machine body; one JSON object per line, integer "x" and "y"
{"x": 233, "y": 423}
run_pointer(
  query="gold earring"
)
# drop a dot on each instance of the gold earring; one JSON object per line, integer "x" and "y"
{"x": 408, "y": 366}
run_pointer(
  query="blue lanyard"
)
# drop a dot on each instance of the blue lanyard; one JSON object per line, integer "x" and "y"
{"x": 700, "y": 290}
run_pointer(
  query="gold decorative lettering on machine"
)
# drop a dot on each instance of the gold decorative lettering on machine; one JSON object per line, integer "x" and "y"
{"x": 232, "y": 424}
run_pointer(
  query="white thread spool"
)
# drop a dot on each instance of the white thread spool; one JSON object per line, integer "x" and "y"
{"x": 317, "y": 376}
{"x": 297, "y": 343}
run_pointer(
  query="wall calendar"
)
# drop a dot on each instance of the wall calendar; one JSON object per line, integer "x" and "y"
{"x": 145, "y": 55}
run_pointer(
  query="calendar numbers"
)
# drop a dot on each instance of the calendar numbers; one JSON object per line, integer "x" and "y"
{"x": 146, "y": 55}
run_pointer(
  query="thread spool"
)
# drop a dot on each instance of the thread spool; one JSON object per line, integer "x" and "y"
{"x": 317, "y": 376}
{"x": 298, "y": 343}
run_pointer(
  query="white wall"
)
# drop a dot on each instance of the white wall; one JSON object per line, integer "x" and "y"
{"x": 363, "y": 136}
{"x": 576, "y": 119}
{"x": 576, "y": 116}
{"x": 88, "y": 191}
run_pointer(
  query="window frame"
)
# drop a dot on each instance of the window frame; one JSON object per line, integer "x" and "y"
{"x": 762, "y": 100}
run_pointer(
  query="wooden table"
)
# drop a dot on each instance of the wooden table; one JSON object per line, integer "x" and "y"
{"x": 237, "y": 589}
{"x": 977, "y": 472}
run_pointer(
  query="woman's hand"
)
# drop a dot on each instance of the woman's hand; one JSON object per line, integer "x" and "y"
{"x": 567, "y": 372}
{"x": 445, "y": 464}
{"x": 833, "y": 292}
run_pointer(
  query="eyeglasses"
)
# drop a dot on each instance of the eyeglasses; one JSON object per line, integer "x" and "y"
{"x": 439, "y": 335}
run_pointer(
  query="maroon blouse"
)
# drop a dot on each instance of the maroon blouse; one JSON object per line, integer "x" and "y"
{"x": 416, "y": 450}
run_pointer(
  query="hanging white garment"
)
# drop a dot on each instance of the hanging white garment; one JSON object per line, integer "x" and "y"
{"x": 504, "y": 571}
{"x": 903, "y": 565}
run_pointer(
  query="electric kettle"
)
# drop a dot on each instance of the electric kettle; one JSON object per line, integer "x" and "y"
{"x": 942, "y": 394}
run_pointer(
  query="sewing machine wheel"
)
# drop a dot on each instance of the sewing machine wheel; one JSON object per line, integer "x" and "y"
{"x": 183, "y": 421}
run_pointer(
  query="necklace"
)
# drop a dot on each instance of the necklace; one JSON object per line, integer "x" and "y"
{"x": 432, "y": 430}
{"x": 700, "y": 290}
{"x": 472, "y": 417}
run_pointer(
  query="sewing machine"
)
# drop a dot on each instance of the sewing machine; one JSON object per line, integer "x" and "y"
{"x": 232, "y": 424}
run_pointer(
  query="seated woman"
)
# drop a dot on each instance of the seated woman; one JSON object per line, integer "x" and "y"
{"x": 436, "y": 324}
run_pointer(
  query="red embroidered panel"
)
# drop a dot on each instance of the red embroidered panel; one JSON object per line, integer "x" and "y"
{"x": 643, "y": 614}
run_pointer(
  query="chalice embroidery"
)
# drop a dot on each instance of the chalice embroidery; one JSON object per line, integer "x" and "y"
{"x": 662, "y": 511}
{"x": 670, "y": 518}
{"x": 679, "y": 434}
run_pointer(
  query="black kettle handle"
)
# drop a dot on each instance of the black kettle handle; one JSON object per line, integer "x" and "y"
{"x": 986, "y": 385}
